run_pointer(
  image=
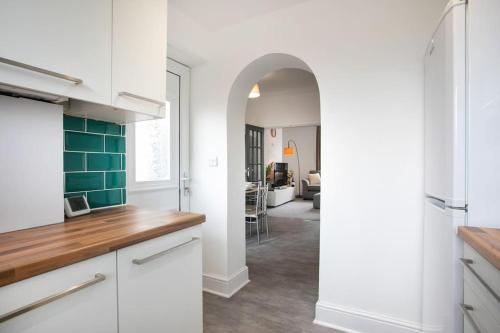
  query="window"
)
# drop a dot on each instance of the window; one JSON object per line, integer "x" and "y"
{"x": 152, "y": 152}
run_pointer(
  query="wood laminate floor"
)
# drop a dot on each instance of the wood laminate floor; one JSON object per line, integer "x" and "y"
{"x": 283, "y": 288}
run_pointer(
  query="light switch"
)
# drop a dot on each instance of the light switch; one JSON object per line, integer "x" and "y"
{"x": 213, "y": 162}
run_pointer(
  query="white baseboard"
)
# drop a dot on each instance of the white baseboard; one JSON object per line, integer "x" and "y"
{"x": 351, "y": 320}
{"x": 225, "y": 287}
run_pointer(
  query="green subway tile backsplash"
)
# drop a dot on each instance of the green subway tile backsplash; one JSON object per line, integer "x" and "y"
{"x": 94, "y": 126}
{"x": 73, "y": 123}
{"x": 74, "y": 161}
{"x": 76, "y": 141}
{"x": 84, "y": 181}
{"x": 103, "y": 162}
{"x": 115, "y": 179}
{"x": 115, "y": 144}
{"x": 99, "y": 199}
{"x": 94, "y": 161}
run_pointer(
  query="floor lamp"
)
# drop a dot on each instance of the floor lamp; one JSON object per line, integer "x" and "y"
{"x": 289, "y": 151}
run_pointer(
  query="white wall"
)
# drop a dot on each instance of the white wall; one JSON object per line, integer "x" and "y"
{"x": 305, "y": 138}
{"x": 367, "y": 58}
{"x": 273, "y": 147}
{"x": 294, "y": 108}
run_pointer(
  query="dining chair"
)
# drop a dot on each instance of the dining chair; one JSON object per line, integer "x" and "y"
{"x": 253, "y": 207}
{"x": 263, "y": 191}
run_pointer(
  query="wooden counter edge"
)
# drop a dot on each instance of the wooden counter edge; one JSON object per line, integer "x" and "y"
{"x": 482, "y": 242}
{"x": 19, "y": 273}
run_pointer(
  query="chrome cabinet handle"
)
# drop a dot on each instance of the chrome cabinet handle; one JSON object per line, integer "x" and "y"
{"x": 468, "y": 264}
{"x": 40, "y": 70}
{"x": 466, "y": 309}
{"x": 154, "y": 101}
{"x": 162, "y": 253}
{"x": 44, "y": 301}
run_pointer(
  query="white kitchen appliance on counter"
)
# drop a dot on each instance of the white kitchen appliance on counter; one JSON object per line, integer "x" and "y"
{"x": 462, "y": 149}
{"x": 31, "y": 163}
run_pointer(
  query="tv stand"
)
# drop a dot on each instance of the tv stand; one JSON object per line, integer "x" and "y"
{"x": 280, "y": 196}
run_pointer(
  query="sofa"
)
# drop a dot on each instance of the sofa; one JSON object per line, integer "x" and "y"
{"x": 317, "y": 201}
{"x": 308, "y": 190}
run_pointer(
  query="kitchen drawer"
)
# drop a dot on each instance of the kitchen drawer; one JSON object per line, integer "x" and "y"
{"x": 483, "y": 268}
{"x": 483, "y": 309}
{"x": 93, "y": 308}
{"x": 160, "y": 284}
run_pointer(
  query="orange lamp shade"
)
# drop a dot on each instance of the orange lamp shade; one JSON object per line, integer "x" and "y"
{"x": 288, "y": 151}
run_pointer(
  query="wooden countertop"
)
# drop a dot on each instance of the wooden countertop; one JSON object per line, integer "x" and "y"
{"x": 486, "y": 241}
{"x": 29, "y": 252}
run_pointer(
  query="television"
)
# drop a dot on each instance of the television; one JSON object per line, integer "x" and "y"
{"x": 280, "y": 174}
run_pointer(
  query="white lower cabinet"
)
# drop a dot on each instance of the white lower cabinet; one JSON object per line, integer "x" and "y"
{"x": 93, "y": 308}
{"x": 160, "y": 284}
{"x": 153, "y": 286}
{"x": 481, "y": 294}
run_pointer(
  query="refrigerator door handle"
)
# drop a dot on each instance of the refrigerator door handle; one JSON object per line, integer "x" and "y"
{"x": 436, "y": 202}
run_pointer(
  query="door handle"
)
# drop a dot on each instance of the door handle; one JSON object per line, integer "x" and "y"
{"x": 142, "y": 98}
{"x": 466, "y": 310}
{"x": 185, "y": 186}
{"x": 44, "y": 301}
{"x": 164, "y": 252}
{"x": 18, "y": 64}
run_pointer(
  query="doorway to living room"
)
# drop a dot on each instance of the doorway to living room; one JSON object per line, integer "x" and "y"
{"x": 282, "y": 167}
{"x": 282, "y": 150}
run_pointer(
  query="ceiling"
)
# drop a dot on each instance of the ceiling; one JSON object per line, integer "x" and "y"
{"x": 218, "y": 14}
{"x": 288, "y": 79}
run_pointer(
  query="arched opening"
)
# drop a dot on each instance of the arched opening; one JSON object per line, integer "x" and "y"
{"x": 236, "y": 228}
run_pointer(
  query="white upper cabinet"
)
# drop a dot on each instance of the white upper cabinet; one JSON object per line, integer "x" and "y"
{"x": 60, "y": 38}
{"x": 139, "y": 55}
{"x": 109, "y": 56}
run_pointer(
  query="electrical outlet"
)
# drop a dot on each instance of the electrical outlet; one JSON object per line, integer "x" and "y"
{"x": 213, "y": 162}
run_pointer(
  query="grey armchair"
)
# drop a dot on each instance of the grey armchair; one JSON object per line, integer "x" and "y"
{"x": 308, "y": 190}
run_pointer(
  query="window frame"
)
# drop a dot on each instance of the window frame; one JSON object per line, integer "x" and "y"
{"x": 173, "y": 183}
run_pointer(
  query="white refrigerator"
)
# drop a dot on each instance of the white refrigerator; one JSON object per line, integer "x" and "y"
{"x": 462, "y": 149}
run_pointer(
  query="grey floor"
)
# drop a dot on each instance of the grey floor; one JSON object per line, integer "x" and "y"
{"x": 298, "y": 209}
{"x": 284, "y": 283}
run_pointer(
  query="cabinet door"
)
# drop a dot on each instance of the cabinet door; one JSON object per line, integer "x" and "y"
{"x": 139, "y": 55}
{"x": 90, "y": 309}
{"x": 70, "y": 37}
{"x": 165, "y": 293}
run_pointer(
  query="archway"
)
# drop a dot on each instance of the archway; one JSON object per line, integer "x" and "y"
{"x": 236, "y": 108}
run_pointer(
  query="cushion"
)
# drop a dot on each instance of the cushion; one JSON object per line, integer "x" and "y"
{"x": 314, "y": 188}
{"x": 314, "y": 179}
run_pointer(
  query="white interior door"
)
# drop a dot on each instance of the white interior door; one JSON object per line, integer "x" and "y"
{"x": 158, "y": 150}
